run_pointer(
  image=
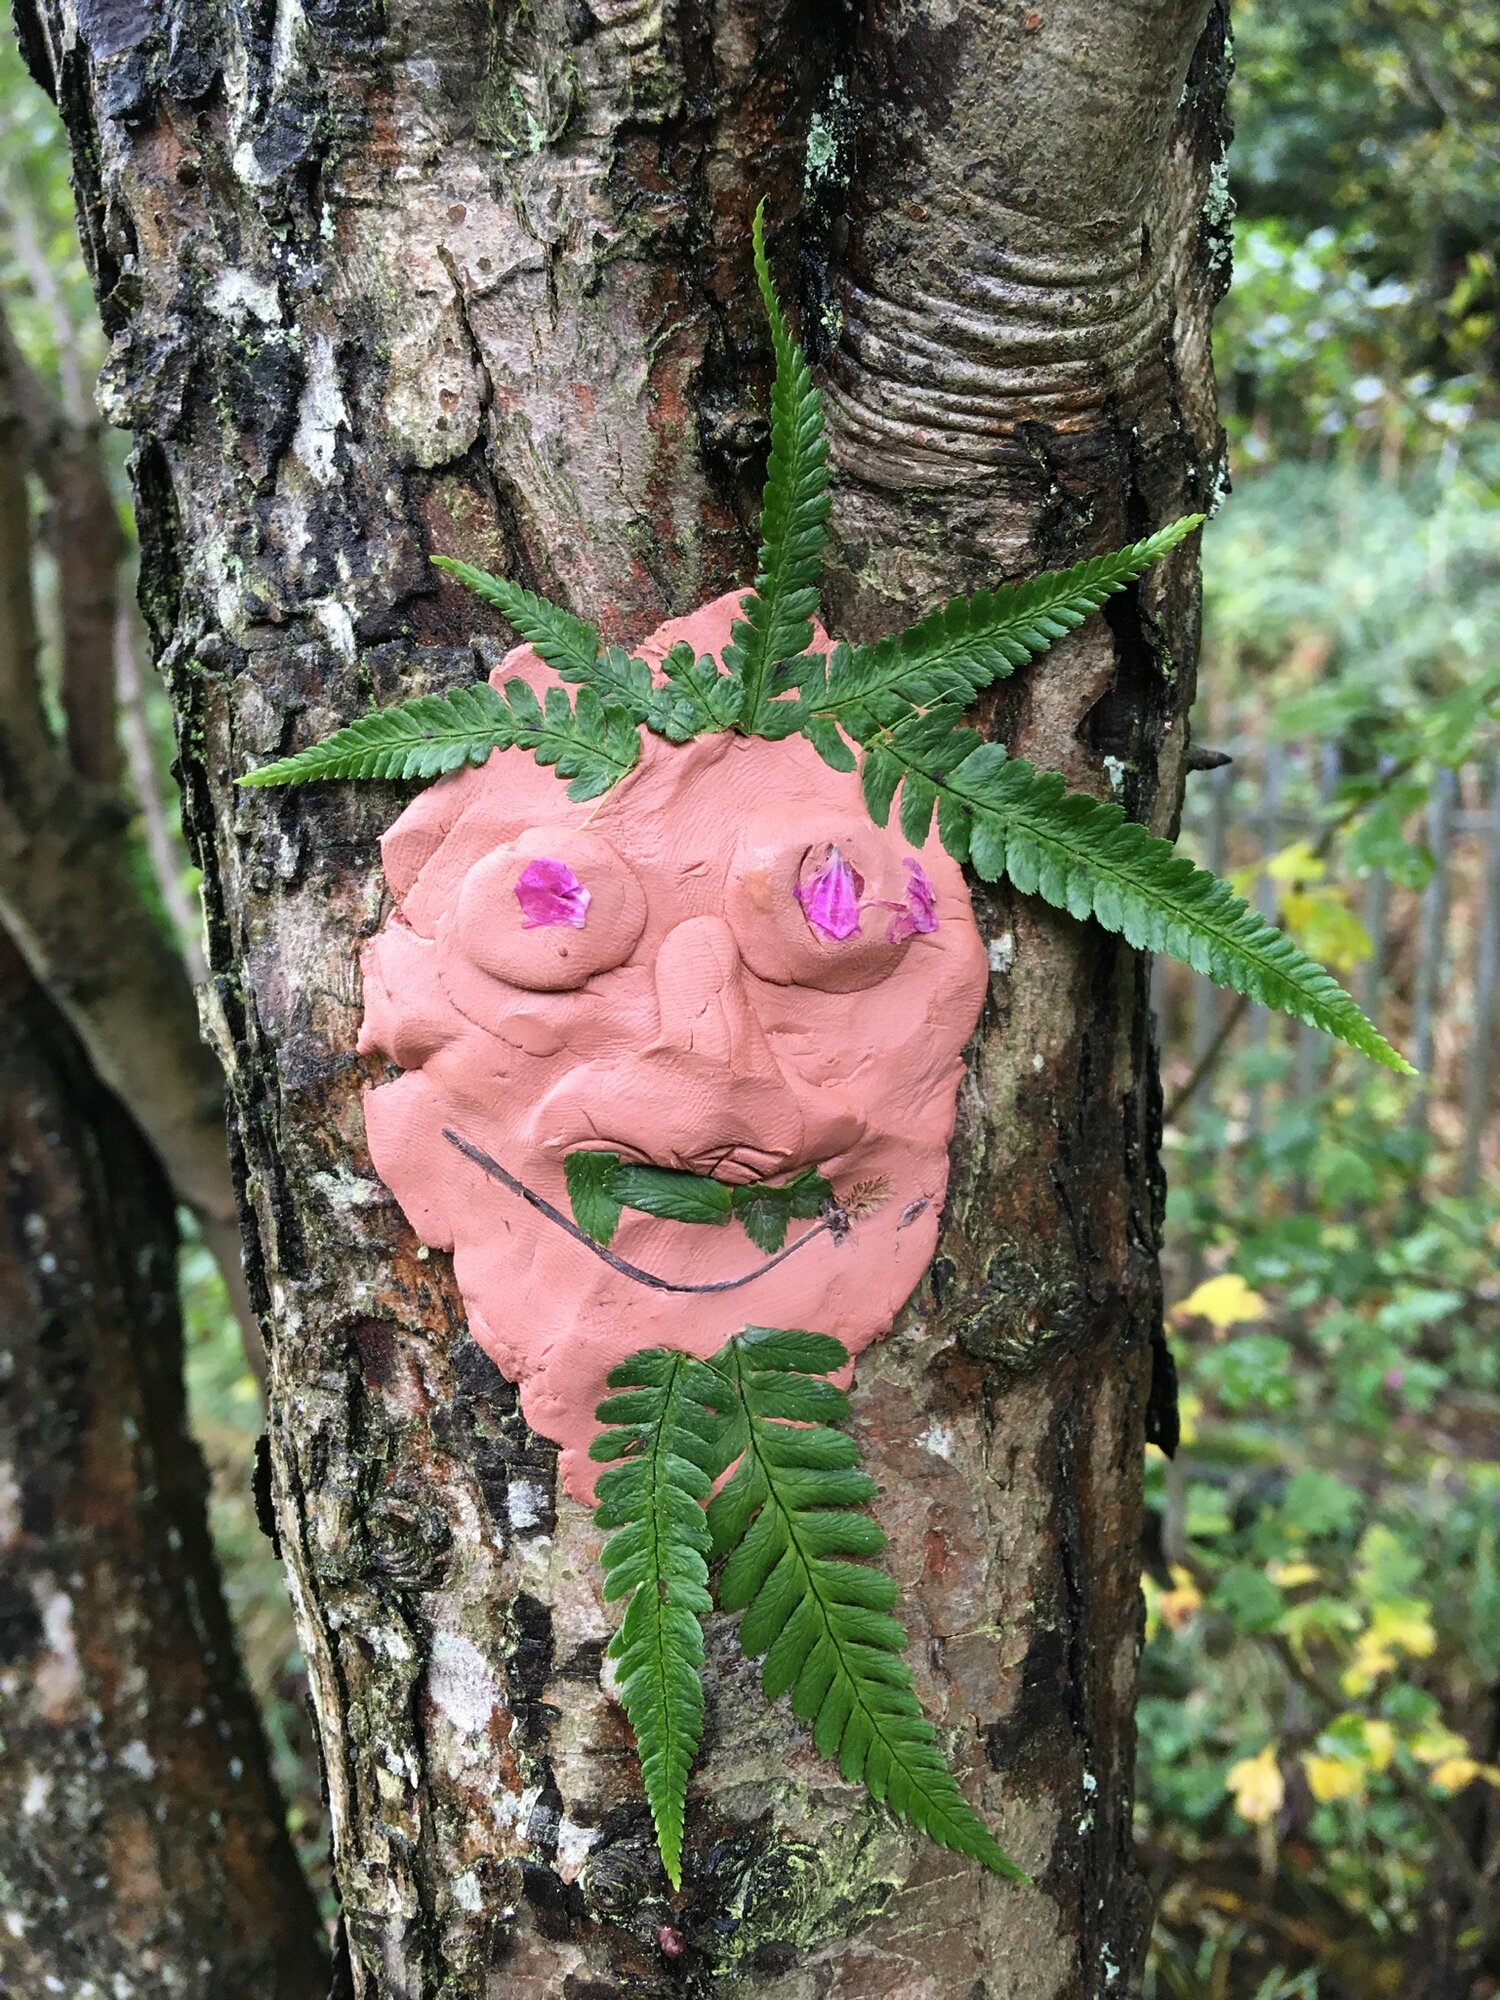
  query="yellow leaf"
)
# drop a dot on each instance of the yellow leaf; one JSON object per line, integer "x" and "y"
{"x": 1258, "y": 1788}
{"x": 1296, "y": 865}
{"x": 1290, "y": 1575}
{"x": 1380, "y": 1743}
{"x": 1179, "y": 1605}
{"x": 1406, "y": 1626}
{"x": 1436, "y": 1742}
{"x": 1324, "y": 925}
{"x": 1224, "y": 1302}
{"x": 1453, "y": 1774}
{"x": 1330, "y": 1778}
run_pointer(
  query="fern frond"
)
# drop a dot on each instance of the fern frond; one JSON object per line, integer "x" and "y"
{"x": 787, "y": 1520}
{"x": 423, "y": 738}
{"x": 665, "y": 1429}
{"x": 968, "y": 643}
{"x": 794, "y": 513}
{"x": 566, "y": 643}
{"x": 1083, "y": 855}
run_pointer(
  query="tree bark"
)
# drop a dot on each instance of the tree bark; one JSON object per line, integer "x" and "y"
{"x": 385, "y": 281}
{"x": 67, "y": 894}
{"x": 142, "y": 1841}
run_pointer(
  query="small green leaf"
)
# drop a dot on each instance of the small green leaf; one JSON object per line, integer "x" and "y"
{"x": 591, "y": 1191}
{"x": 767, "y": 1212}
{"x": 673, "y": 1196}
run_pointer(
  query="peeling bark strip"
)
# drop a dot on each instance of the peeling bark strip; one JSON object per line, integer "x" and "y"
{"x": 142, "y": 1848}
{"x": 390, "y": 280}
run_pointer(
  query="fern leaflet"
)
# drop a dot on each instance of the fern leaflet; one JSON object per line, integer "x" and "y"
{"x": 423, "y": 738}
{"x": 566, "y": 643}
{"x": 592, "y": 744}
{"x": 794, "y": 513}
{"x": 665, "y": 1430}
{"x": 698, "y": 698}
{"x": 1083, "y": 855}
{"x": 949, "y": 655}
{"x": 786, "y": 1520}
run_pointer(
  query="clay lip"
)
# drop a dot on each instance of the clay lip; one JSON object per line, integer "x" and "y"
{"x": 636, "y": 1156}
{"x": 834, "y": 1224}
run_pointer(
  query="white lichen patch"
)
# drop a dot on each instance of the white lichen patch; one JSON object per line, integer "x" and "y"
{"x": 573, "y": 1844}
{"x": 462, "y": 1685}
{"x": 137, "y": 1758}
{"x": 938, "y": 1439}
{"x": 240, "y": 295}
{"x": 322, "y": 413}
{"x": 526, "y": 1503}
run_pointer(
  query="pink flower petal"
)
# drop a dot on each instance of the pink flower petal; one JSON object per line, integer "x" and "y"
{"x": 830, "y": 898}
{"x": 917, "y": 917}
{"x": 550, "y": 893}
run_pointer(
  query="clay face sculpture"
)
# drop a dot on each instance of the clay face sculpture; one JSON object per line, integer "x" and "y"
{"x": 722, "y": 967}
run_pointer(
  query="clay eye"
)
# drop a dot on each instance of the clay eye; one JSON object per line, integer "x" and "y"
{"x": 835, "y": 912}
{"x": 549, "y": 911}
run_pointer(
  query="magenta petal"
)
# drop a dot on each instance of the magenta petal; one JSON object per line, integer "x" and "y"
{"x": 918, "y": 915}
{"x": 830, "y": 898}
{"x": 550, "y": 893}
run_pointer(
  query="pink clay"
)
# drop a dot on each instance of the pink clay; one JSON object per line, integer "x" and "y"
{"x": 695, "y": 1018}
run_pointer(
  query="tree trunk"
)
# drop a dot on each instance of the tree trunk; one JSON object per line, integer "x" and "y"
{"x": 142, "y": 1842}
{"x": 385, "y": 281}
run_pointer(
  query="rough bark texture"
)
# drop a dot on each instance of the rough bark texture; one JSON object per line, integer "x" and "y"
{"x": 388, "y": 280}
{"x": 142, "y": 1847}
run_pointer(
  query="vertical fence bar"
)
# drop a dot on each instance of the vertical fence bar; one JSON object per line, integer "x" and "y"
{"x": 1266, "y": 899}
{"x": 1432, "y": 927}
{"x": 1486, "y": 983}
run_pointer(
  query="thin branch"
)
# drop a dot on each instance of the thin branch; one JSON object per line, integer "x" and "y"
{"x": 87, "y": 543}
{"x": 22, "y": 717}
{"x": 145, "y": 782}
{"x": 15, "y": 214}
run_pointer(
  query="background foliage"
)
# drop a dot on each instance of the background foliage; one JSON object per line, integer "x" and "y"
{"x": 1320, "y": 1716}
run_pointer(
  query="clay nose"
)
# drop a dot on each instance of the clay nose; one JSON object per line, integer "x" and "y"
{"x": 703, "y": 1008}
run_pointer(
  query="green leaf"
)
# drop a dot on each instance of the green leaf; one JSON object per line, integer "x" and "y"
{"x": 794, "y": 513}
{"x": 566, "y": 643}
{"x": 674, "y": 1196}
{"x": 813, "y": 1608}
{"x": 970, "y": 642}
{"x": 601, "y": 1184}
{"x": 1082, "y": 855}
{"x": 591, "y": 1192}
{"x": 768, "y": 1212}
{"x": 424, "y": 738}
{"x": 668, "y": 1434}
